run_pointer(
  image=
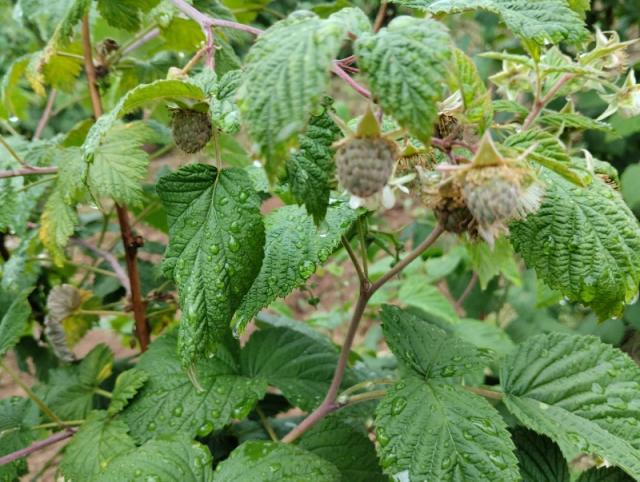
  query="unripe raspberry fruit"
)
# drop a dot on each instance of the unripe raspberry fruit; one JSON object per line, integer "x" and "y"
{"x": 492, "y": 194}
{"x": 191, "y": 129}
{"x": 365, "y": 164}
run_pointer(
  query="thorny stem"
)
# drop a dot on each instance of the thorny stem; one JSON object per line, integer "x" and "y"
{"x": 363, "y": 247}
{"x": 354, "y": 258}
{"x": 131, "y": 242}
{"x": 40, "y": 444}
{"x": 339, "y": 71}
{"x": 540, "y": 103}
{"x": 46, "y": 114}
{"x": 37, "y": 400}
{"x": 329, "y": 404}
{"x": 382, "y": 13}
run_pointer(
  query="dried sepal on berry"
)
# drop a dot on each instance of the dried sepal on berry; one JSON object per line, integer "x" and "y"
{"x": 365, "y": 160}
{"x": 192, "y": 129}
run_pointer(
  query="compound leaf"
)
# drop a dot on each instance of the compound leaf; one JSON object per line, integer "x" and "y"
{"x": 344, "y": 446}
{"x": 581, "y": 393}
{"x": 175, "y": 457}
{"x": 127, "y": 385}
{"x": 310, "y": 169}
{"x": 406, "y": 64}
{"x": 584, "y": 242}
{"x": 294, "y": 246}
{"x": 300, "y": 365}
{"x": 430, "y": 352}
{"x": 259, "y": 461}
{"x": 438, "y": 431}
{"x": 286, "y": 74}
{"x": 215, "y": 249}
{"x": 169, "y": 402}
{"x": 540, "y": 20}
{"x": 97, "y": 443}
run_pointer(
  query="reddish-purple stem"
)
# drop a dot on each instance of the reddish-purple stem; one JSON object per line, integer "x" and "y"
{"x": 40, "y": 444}
{"x": 336, "y": 69}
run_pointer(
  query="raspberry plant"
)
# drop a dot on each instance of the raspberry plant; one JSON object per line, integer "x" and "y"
{"x": 483, "y": 266}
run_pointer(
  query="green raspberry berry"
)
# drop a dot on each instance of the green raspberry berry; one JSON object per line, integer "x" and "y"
{"x": 191, "y": 129}
{"x": 365, "y": 164}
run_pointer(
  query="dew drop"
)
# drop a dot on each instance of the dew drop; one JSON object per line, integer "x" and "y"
{"x": 205, "y": 429}
{"x": 398, "y": 405}
{"x": 234, "y": 246}
{"x": 177, "y": 412}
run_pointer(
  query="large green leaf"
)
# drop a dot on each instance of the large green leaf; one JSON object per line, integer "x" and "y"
{"x": 584, "y": 242}
{"x": 301, "y": 365}
{"x": 539, "y": 458}
{"x": 490, "y": 262}
{"x": 310, "y": 169}
{"x": 96, "y": 444}
{"x": 348, "y": 449}
{"x": 70, "y": 390}
{"x": 429, "y": 351}
{"x": 258, "y": 461}
{"x": 158, "y": 90}
{"x": 17, "y": 417}
{"x": 216, "y": 239}
{"x": 406, "y": 64}
{"x": 438, "y": 431}
{"x": 539, "y": 20}
{"x": 170, "y": 458}
{"x": 581, "y": 393}
{"x": 293, "y": 248}
{"x": 286, "y": 74}
{"x": 15, "y": 314}
{"x": 117, "y": 164}
{"x": 169, "y": 402}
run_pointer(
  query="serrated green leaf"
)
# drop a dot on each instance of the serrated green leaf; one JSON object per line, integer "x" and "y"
{"x": 258, "y": 461}
{"x": 437, "y": 431}
{"x": 169, "y": 458}
{"x": 286, "y": 74}
{"x": 158, "y": 90}
{"x": 581, "y": 393}
{"x": 348, "y": 449}
{"x": 169, "y": 402}
{"x": 478, "y": 108}
{"x": 57, "y": 224}
{"x": 300, "y": 364}
{"x": 14, "y": 319}
{"x": 610, "y": 474}
{"x": 539, "y": 20}
{"x": 426, "y": 349}
{"x": 127, "y": 385}
{"x": 17, "y": 417}
{"x": 583, "y": 242}
{"x": 416, "y": 292}
{"x": 489, "y": 263}
{"x": 510, "y": 106}
{"x": 539, "y": 458}
{"x": 215, "y": 249}
{"x": 224, "y": 110}
{"x": 125, "y": 14}
{"x": 406, "y": 64}
{"x": 311, "y": 169}
{"x": 572, "y": 120}
{"x": 294, "y": 247}
{"x": 62, "y": 71}
{"x": 99, "y": 440}
{"x": 13, "y": 97}
{"x": 70, "y": 390}
{"x": 117, "y": 164}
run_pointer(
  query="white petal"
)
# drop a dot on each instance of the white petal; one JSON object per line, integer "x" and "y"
{"x": 388, "y": 199}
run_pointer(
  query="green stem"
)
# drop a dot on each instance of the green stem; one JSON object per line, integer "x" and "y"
{"x": 364, "y": 385}
{"x": 36, "y": 183}
{"x": 37, "y": 400}
{"x": 484, "y": 392}
{"x": 267, "y": 424}
{"x": 101, "y": 312}
{"x": 13, "y": 153}
{"x": 104, "y": 393}
{"x": 363, "y": 397}
{"x": 363, "y": 246}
